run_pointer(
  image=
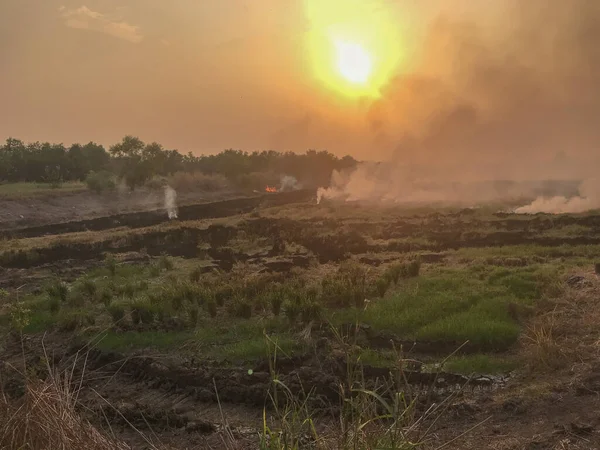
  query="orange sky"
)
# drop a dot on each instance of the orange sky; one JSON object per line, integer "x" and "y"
{"x": 208, "y": 75}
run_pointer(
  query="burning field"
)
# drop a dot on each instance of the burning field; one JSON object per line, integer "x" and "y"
{"x": 186, "y": 330}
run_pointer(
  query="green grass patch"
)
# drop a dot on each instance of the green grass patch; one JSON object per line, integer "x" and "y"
{"x": 23, "y": 189}
{"x": 586, "y": 251}
{"x": 377, "y": 358}
{"x": 255, "y": 348}
{"x": 130, "y": 340}
{"x": 456, "y": 305}
{"x": 480, "y": 364}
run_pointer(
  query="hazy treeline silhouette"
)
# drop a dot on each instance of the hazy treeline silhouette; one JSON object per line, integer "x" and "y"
{"x": 135, "y": 162}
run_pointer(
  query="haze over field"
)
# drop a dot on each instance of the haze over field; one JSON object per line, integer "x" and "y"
{"x": 470, "y": 91}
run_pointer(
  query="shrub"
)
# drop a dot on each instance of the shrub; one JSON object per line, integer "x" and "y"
{"x": 69, "y": 321}
{"x": 59, "y": 290}
{"x": 196, "y": 274}
{"x": 176, "y": 300}
{"x": 89, "y": 287}
{"x": 205, "y": 295}
{"x": 276, "y": 299}
{"x": 141, "y": 311}
{"x": 54, "y": 304}
{"x": 111, "y": 265}
{"x": 211, "y": 307}
{"x": 165, "y": 263}
{"x": 154, "y": 270}
{"x": 310, "y": 310}
{"x": 193, "y": 313}
{"x": 223, "y": 293}
{"x": 104, "y": 296}
{"x": 127, "y": 289}
{"x": 197, "y": 181}
{"x": 336, "y": 292}
{"x": 413, "y": 268}
{"x": 292, "y": 309}
{"x": 242, "y": 308}
{"x": 382, "y": 284}
{"x": 76, "y": 299}
{"x": 100, "y": 181}
{"x": 395, "y": 272}
{"x": 403, "y": 270}
{"x": 116, "y": 311}
{"x": 156, "y": 183}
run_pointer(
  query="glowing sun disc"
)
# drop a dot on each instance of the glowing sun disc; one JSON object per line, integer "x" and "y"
{"x": 353, "y": 62}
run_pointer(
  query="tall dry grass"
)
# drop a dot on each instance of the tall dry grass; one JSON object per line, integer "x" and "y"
{"x": 46, "y": 418}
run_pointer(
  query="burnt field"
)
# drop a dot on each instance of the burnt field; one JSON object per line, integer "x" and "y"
{"x": 180, "y": 326}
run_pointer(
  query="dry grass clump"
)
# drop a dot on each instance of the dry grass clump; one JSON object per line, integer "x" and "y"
{"x": 566, "y": 331}
{"x": 46, "y": 418}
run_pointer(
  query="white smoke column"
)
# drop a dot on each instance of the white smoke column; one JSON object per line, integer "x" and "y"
{"x": 588, "y": 199}
{"x": 289, "y": 183}
{"x": 171, "y": 202}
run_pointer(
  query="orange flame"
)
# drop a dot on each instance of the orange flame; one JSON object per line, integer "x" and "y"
{"x": 271, "y": 189}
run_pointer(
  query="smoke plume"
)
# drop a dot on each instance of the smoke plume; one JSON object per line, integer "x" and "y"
{"x": 171, "y": 202}
{"x": 518, "y": 101}
{"x": 588, "y": 199}
{"x": 289, "y": 183}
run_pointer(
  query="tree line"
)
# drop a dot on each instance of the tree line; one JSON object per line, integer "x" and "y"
{"x": 136, "y": 162}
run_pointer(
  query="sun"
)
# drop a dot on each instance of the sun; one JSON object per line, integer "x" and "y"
{"x": 353, "y": 62}
{"x": 354, "y": 47}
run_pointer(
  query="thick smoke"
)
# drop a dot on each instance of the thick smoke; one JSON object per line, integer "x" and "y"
{"x": 588, "y": 199}
{"x": 518, "y": 101}
{"x": 171, "y": 202}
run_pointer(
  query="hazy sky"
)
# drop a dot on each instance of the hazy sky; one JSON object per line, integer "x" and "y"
{"x": 203, "y": 75}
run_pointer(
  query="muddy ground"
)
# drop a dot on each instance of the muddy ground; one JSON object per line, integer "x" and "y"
{"x": 185, "y": 400}
{"x": 51, "y": 208}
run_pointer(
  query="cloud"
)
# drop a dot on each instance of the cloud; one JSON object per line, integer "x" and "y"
{"x": 83, "y": 18}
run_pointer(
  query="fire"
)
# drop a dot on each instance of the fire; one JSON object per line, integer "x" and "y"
{"x": 271, "y": 189}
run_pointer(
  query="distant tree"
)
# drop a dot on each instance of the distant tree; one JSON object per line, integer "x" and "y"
{"x": 128, "y": 153}
{"x": 136, "y": 162}
{"x": 129, "y": 147}
{"x": 84, "y": 159}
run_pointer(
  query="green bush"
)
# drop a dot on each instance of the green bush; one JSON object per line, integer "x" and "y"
{"x": 176, "y": 301}
{"x": 276, "y": 299}
{"x": 310, "y": 310}
{"x": 382, "y": 284}
{"x": 413, "y": 268}
{"x": 76, "y": 299}
{"x": 224, "y": 292}
{"x": 111, "y": 265}
{"x": 211, "y": 307}
{"x": 196, "y": 274}
{"x": 69, "y": 321}
{"x": 54, "y": 304}
{"x": 403, "y": 270}
{"x": 165, "y": 263}
{"x": 89, "y": 287}
{"x": 116, "y": 311}
{"x": 142, "y": 311}
{"x": 154, "y": 270}
{"x": 104, "y": 296}
{"x": 241, "y": 308}
{"x": 101, "y": 181}
{"x": 193, "y": 313}
{"x": 58, "y": 289}
{"x": 292, "y": 309}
